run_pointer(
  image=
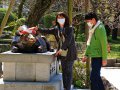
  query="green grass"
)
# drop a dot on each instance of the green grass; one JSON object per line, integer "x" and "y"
{"x": 115, "y": 49}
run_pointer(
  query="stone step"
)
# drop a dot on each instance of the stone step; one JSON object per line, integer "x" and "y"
{"x": 53, "y": 84}
{"x": 111, "y": 62}
{"x": 117, "y": 64}
{"x": 118, "y": 61}
{"x": 72, "y": 88}
{"x": 81, "y": 89}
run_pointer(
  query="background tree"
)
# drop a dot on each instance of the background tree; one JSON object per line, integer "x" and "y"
{"x": 88, "y": 59}
{"x": 108, "y": 11}
{"x": 6, "y": 16}
{"x": 20, "y": 8}
{"x": 40, "y": 7}
{"x": 70, "y": 10}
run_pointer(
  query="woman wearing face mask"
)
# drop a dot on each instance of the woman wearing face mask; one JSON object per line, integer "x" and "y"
{"x": 66, "y": 50}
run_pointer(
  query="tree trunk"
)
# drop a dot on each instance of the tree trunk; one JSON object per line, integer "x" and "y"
{"x": 41, "y": 6}
{"x": 6, "y": 16}
{"x": 0, "y": 1}
{"x": 114, "y": 33}
{"x": 77, "y": 31}
{"x": 70, "y": 9}
{"x": 20, "y": 8}
{"x": 88, "y": 60}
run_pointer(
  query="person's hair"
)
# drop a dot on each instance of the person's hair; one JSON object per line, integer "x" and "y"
{"x": 66, "y": 19}
{"x": 90, "y": 16}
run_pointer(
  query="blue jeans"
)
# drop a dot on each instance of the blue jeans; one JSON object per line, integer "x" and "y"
{"x": 96, "y": 81}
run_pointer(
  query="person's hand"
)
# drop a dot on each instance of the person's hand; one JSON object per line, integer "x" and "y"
{"x": 84, "y": 59}
{"x": 58, "y": 52}
{"x": 34, "y": 28}
{"x": 23, "y": 32}
{"x": 104, "y": 62}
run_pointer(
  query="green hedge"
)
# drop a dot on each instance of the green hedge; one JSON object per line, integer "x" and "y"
{"x": 12, "y": 16}
{"x": 79, "y": 74}
{"x": 47, "y": 20}
{"x": 18, "y": 23}
{"x": 13, "y": 26}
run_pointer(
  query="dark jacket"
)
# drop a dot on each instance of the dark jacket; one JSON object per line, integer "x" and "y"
{"x": 68, "y": 44}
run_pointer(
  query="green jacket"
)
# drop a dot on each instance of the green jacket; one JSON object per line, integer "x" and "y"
{"x": 98, "y": 44}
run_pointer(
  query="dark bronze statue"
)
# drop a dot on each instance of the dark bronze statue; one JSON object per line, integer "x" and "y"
{"x": 28, "y": 40}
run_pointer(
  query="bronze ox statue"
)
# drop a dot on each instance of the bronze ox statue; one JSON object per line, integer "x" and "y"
{"x": 27, "y": 40}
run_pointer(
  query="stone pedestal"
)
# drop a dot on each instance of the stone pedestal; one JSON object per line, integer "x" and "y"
{"x": 36, "y": 71}
{"x": 54, "y": 84}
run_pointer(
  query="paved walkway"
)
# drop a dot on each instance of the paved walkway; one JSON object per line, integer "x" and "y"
{"x": 112, "y": 75}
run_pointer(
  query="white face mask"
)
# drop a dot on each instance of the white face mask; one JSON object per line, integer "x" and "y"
{"x": 90, "y": 24}
{"x": 61, "y": 21}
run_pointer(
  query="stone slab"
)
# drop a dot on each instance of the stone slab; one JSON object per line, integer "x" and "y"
{"x": 111, "y": 62}
{"x": 117, "y": 64}
{"x": 54, "y": 84}
{"x": 14, "y": 71}
{"x": 25, "y": 72}
{"x": 42, "y": 72}
{"x": 9, "y": 71}
{"x": 27, "y": 57}
{"x": 118, "y": 61}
